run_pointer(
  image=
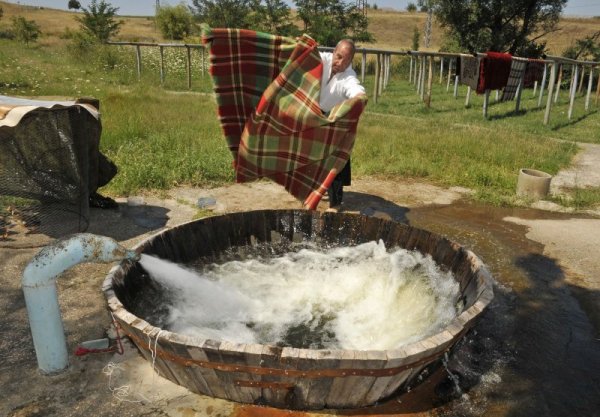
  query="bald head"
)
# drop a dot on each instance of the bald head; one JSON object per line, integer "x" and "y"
{"x": 342, "y": 56}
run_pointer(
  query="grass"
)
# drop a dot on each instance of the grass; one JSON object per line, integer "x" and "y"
{"x": 164, "y": 136}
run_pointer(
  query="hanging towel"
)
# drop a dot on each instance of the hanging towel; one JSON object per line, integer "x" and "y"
{"x": 267, "y": 90}
{"x": 494, "y": 71}
{"x": 469, "y": 71}
{"x": 534, "y": 72}
{"x": 517, "y": 70}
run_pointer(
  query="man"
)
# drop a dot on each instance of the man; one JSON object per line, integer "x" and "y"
{"x": 338, "y": 83}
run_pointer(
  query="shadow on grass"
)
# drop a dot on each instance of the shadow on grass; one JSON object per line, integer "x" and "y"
{"x": 573, "y": 121}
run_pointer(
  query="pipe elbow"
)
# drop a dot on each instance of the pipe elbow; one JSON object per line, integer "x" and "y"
{"x": 54, "y": 259}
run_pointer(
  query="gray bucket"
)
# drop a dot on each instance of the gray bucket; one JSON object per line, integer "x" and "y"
{"x": 533, "y": 183}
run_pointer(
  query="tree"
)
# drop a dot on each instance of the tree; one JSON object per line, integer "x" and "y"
{"x": 272, "y": 17}
{"x": 415, "y": 39}
{"x": 328, "y": 21}
{"x": 427, "y": 6}
{"x": 74, "y": 4}
{"x": 99, "y": 20}
{"x": 25, "y": 30}
{"x": 411, "y": 8}
{"x": 498, "y": 25}
{"x": 224, "y": 13}
{"x": 587, "y": 48}
{"x": 174, "y": 22}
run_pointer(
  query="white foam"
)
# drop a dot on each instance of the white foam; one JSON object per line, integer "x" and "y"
{"x": 367, "y": 297}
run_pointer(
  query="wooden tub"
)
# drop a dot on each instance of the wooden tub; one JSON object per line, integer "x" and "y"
{"x": 282, "y": 376}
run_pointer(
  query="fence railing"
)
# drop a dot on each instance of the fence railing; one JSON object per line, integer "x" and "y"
{"x": 422, "y": 63}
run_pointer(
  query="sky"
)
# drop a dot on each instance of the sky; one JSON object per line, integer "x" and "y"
{"x": 146, "y": 7}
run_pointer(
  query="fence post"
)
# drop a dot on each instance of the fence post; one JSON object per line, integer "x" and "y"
{"x": 543, "y": 86}
{"x": 519, "y": 92}
{"x": 550, "y": 91}
{"x": 418, "y": 74}
{"x": 429, "y": 82}
{"x": 138, "y": 56}
{"x": 580, "y": 89}
{"x": 424, "y": 59}
{"x": 449, "y": 74}
{"x": 589, "y": 88}
{"x": 468, "y": 99}
{"x": 162, "y": 65}
{"x": 389, "y": 69}
{"x": 189, "y": 67}
{"x": 486, "y": 100}
{"x": 410, "y": 71}
{"x": 456, "y": 86}
{"x": 441, "y": 69}
{"x": 560, "y": 73}
{"x": 202, "y": 50}
{"x": 597, "y": 90}
{"x": 535, "y": 86}
{"x": 381, "y": 73}
{"x": 571, "y": 86}
{"x": 376, "y": 83}
{"x": 573, "y": 92}
{"x": 363, "y": 65}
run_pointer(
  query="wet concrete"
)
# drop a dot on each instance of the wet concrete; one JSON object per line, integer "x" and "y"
{"x": 534, "y": 352}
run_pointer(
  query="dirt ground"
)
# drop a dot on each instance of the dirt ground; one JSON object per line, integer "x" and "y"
{"x": 125, "y": 385}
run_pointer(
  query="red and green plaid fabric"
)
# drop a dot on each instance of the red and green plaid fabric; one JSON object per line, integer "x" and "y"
{"x": 267, "y": 90}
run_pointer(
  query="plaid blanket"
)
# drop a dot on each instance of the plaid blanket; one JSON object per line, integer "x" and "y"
{"x": 267, "y": 90}
{"x": 515, "y": 78}
{"x": 494, "y": 71}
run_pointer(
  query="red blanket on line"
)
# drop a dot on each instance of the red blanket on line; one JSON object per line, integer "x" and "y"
{"x": 267, "y": 90}
{"x": 494, "y": 71}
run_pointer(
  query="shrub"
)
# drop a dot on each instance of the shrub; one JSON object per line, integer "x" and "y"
{"x": 25, "y": 30}
{"x": 174, "y": 22}
{"x": 98, "y": 20}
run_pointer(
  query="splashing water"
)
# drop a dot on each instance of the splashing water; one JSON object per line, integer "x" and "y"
{"x": 360, "y": 297}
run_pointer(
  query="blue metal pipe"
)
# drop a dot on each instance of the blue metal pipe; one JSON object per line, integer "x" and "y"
{"x": 41, "y": 298}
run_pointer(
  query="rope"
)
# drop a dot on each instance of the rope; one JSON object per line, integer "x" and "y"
{"x": 120, "y": 393}
{"x": 153, "y": 352}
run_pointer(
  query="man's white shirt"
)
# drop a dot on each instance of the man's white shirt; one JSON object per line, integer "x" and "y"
{"x": 341, "y": 86}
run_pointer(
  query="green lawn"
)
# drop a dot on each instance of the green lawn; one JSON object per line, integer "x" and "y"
{"x": 165, "y": 136}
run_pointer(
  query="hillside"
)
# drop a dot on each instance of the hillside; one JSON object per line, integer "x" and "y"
{"x": 392, "y": 29}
